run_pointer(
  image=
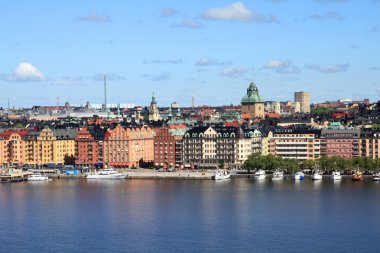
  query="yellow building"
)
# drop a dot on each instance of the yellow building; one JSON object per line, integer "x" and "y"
{"x": 48, "y": 146}
{"x": 265, "y": 143}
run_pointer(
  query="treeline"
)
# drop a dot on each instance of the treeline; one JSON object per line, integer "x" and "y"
{"x": 272, "y": 163}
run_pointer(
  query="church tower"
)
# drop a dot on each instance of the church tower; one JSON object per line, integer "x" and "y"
{"x": 153, "y": 110}
{"x": 253, "y": 103}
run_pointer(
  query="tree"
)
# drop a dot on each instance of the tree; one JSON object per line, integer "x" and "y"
{"x": 69, "y": 160}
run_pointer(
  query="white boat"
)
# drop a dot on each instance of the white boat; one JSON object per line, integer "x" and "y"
{"x": 336, "y": 175}
{"x": 278, "y": 175}
{"x": 106, "y": 174}
{"x": 221, "y": 175}
{"x": 38, "y": 177}
{"x": 316, "y": 175}
{"x": 299, "y": 175}
{"x": 376, "y": 177}
{"x": 260, "y": 175}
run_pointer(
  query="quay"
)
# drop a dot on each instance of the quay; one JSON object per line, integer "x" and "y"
{"x": 13, "y": 176}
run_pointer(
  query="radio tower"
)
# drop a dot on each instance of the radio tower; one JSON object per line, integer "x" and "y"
{"x": 105, "y": 95}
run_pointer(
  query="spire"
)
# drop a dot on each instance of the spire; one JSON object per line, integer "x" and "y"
{"x": 179, "y": 112}
{"x": 170, "y": 112}
{"x": 153, "y": 99}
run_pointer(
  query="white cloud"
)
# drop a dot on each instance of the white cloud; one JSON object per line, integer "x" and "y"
{"x": 67, "y": 81}
{"x": 329, "y": 69}
{"x": 330, "y": 15}
{"x": 205, "y": 61}
{"x": 168, "y": 61}
{"x": 25, "y": 72}
{"x": 236, "y": 12}
{"x": 189, "y": 23}
{"x": 330, "y": 1}
{"x": 109, "y": 76}
{"x": 233, "y": 72}
{"x": 93, "y": 17}
{"x": 158, "y": 77}
{"x": 168, "y": 12}
{"x": 281, "y": 67}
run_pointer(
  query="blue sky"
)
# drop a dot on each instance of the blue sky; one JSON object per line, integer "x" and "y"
{"x": 179, "y": 49}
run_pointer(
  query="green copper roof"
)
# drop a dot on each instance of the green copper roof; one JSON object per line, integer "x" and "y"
{"x": 252, "y": 95}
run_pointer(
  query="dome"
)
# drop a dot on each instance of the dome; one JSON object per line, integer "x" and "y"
{"x": 252, "y": 95}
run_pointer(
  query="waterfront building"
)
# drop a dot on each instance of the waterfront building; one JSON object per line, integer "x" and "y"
{"x": 12, "y": 147}
{"x": 154, "y": 115}
{"x": 252, "y": 102}
{"x": 209, "y": 147}
{"x": 49, "y": 146}
{"x": 266, "y": 135}
{"x": 340, "y": 142}
{"x": 297, "y": 143}
{"x": 370, "y": 143}
{"x": 128, "y": 147}
{"x": 39, "y": 147}
{"x": 89, "y": 147}
{"x": 64, "y": 145}
{"x": 164, "y": 148}
{"x": 178, "y": 131}
{"x": 303, "y": 98}
{"x": 141, "y": 145}
{"x": 248, "y": 144}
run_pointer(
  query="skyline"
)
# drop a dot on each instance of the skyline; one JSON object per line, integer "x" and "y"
{"x": 211, "y": 51}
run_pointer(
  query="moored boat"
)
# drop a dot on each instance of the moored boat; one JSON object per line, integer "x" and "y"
{"x": 316, "y": 175}
{"x": 221, "y": 175}
{"x": 278, "y": 175}
{"x": 106, "y": 174}
{"x": 357, "y": 176}
{"x": 38, "y": 177}
{"x": 259, "y": 175}
{"x": 336, "y": 175}
{"x": 299, "y": 175}
{"x": 376, "y": 176}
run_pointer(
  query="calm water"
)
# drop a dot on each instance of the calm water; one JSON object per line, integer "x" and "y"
{"x": 190, "y": 216}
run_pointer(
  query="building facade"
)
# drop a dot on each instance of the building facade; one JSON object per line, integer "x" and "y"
{"x": 300, "y": 144}
{"x": 303, "y": 98}
{"x": 340, "y": 142}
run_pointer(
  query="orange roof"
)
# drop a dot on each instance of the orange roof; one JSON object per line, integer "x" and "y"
{"x": 231, "y": 124}
{"x": 246, "y": 115}
{"x": 174, "y": 126}
{"x": 8, "y": 133}
{"x": 273, "y": 115}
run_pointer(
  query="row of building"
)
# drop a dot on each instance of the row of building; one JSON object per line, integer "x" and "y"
{"x": 179, "y": 146}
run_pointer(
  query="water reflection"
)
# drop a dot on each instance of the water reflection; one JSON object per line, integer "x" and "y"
{"x": 317, "y": 184}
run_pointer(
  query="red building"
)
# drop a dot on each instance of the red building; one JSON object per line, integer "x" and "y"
{"x": 164, "y": 148}
{"x": 88, "y": 150}
{"x": 340, "y": 142}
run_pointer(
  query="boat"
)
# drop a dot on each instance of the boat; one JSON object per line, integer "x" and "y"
{"x": 336, "y": 175}
{"x": 260, "y": 175}
{"x": 38, "y": 177}
{"x": 299, "y": 175}
{"x": 221, "y": 175}
{"x": 316, "y": 175}
{"x": 106, "y": 174}
{"x": 278, "y": 175}
{"x": 357, "y": 176}
{"x": 376, "y": 176}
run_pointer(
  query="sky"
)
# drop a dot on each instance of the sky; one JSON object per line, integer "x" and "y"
{"x": 209, "y": 49}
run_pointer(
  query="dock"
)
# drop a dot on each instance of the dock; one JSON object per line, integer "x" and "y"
{"x": 13, "y": 178}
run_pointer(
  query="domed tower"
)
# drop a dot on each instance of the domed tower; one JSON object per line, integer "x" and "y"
{"x": 253, "y": 103}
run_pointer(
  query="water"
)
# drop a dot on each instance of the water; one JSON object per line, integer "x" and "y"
{"x": 190, "y": 216}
